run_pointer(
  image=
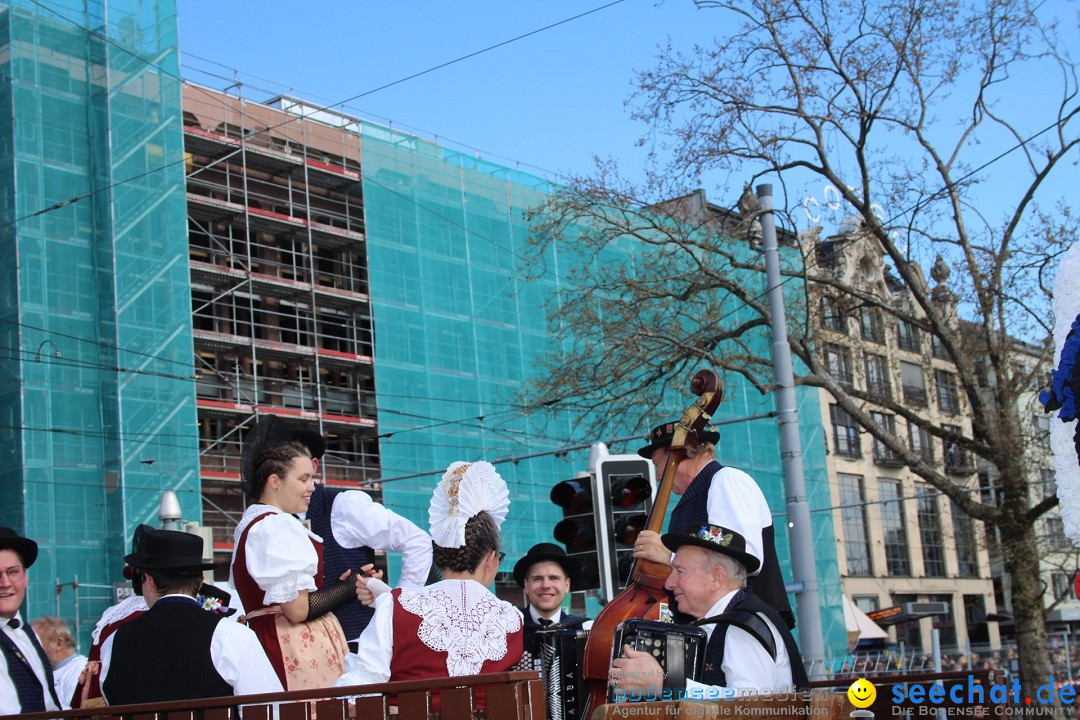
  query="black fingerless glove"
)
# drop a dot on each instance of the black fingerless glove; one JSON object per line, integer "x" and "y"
{"x": 331, "y": 598}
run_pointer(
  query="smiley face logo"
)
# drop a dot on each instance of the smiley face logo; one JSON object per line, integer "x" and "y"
{"x": 862, "y": 693}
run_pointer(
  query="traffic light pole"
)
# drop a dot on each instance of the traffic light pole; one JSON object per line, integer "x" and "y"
{"x": 800, "y": 533}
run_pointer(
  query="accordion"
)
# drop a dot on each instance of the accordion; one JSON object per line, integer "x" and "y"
{"x": 679, "y": 649}
{"x": 561, "y": 652}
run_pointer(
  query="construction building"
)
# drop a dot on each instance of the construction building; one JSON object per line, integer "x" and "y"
{"x": 281, "y": 315}
{"x": 180, "y": 261}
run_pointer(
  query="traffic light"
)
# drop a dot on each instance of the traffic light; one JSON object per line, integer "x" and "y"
{"x": 624, "y": 489}
{"x": 577, "y": 529}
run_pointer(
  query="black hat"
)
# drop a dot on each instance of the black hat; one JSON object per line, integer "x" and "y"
{"x": 271, "y": 432}
{"x": 11, "y": 540}
{"x": 716, "y": 538}
{"x": 167, "y": 550}
{"x": 661, "y": 436}
{"x": 542, "y": 552}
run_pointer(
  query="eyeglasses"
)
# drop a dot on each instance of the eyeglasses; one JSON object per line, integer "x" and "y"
{"x": 14, "y": 574}
{"x": 501, "y": 554}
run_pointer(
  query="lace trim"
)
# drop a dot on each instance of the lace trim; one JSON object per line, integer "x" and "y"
{"x": 469, "y": 633}
{"x": 289, "y": 588}
{"x": 117, "y": 612}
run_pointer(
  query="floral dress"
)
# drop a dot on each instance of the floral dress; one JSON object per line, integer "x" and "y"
{"x": 274, "y": 559}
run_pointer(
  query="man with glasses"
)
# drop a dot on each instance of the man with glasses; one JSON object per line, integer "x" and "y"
{"x": 26, "y": 679}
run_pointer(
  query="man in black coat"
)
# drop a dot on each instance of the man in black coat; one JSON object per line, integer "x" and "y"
{"x": 176, "y": 650}
{"x": 546, "y": 573}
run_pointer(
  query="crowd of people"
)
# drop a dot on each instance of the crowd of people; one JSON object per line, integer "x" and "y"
{"x": 316, "y": 614}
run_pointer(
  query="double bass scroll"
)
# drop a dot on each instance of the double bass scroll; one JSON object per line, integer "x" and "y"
{"x": 645, "y": 589}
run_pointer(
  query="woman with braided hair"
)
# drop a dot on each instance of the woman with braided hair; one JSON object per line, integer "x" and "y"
{"x": 277, "y": 567}
{"x": 455, "y": 626}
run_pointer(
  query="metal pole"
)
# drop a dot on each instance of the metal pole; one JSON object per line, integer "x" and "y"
{"x": 935, "y": 641}
{"x": 1068, "y": 657}
{"x": 800, "y": 533}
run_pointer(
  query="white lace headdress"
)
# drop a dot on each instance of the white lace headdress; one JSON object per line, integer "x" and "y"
{"x": 465, "y": 490}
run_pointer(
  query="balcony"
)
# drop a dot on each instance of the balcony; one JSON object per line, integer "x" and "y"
{"x": 915, "y": 396}
{"x": 959, "y": 462}
{"x": 879, "y": 389}
{"x": 885, "y": 457}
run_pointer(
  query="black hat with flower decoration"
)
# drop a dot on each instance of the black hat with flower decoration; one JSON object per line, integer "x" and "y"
{"x": 716, "y": 538}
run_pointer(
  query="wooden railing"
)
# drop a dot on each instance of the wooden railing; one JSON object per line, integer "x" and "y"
{"x": 507, "y": 696}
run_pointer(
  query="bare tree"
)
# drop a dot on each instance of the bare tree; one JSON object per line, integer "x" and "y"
{"x": 906, "y": 109}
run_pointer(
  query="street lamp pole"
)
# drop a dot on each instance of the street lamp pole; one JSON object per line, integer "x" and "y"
{"x": 800, "y": 533}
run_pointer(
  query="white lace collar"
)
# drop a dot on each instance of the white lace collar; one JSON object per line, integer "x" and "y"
{"x": 117, "y": 612}
{"x": 259, "y": 509}
{"x": 464, "y": 620}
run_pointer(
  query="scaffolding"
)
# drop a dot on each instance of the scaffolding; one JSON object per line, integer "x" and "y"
{"x": 281, "y": 315}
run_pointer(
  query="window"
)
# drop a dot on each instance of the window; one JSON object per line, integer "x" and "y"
{"x": 853, "y": 516}
{"x": 975, "y": 617}
{"x": 1047, "y": 483}
{"x": 1055, "y": 534}
{"x": 967, "y": 562}
{"x": 907, "y": 336}
{"x": 866, "y": 603}
{"x": 897, "y": 561}
{"x": 877, "y": 376}
{"x": 845, "y": 433}
{"x": 937, "y": 349}
{"x": 933, "y": 549}
{"x": 838, "y": 363}
{"x": 914, "y": 384}
{"x": 832, "y": 315}
{"x": 882, "y": 454}
{"x": 948, "y": 396}
{"x": 945, "y": 624}
{"x": 871, "y": 326}
{"x": 1062, "y": 583}
{"x": 909, "y": 632}
{"x": 920, "y": 441}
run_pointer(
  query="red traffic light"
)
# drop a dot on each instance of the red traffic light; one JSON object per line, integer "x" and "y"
{"x": 627, "y": 492}
{"x": 573, "y": 496}
{"x": 577, "y": 534}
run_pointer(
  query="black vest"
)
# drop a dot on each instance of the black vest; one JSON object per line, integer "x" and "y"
{"x": 531, "y": 626}
{"x": 164, "y": 654}
{"x": 693, "y": 509}
{"x": 714, "y": 651}
{"x": 27, "y": 685}
{"x": 353, "y": 615}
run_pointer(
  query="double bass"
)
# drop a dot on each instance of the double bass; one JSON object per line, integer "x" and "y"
{"x": 645, "y": 589}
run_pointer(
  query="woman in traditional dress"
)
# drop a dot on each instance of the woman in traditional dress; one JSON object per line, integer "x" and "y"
{"x": 455, "y": 626}
{"x": 277, "y": 564}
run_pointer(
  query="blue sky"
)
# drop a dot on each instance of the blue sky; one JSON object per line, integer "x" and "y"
{"x": 548, "y": 102}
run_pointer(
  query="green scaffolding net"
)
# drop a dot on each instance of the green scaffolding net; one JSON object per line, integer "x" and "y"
{"x": 99, "y": 403}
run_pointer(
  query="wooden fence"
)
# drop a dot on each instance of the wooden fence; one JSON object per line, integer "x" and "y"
{"x": 507, "y": 696}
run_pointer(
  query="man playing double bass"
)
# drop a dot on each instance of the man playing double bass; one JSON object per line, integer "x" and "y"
{"x": 725, "y": 496}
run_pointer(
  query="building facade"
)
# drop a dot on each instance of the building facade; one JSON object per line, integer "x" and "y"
{"x": 899, "y": 539}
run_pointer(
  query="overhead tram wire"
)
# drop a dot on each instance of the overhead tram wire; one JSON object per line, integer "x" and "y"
{"x": 324, "y": 108}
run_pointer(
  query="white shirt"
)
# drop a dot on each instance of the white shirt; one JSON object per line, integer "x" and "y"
{"x": 358, "y": 521}
{"x": 737, "y": 503}
{"x": 746, "y": 665}
{"x": 66, "y": 677}
{"x": 236, "y": 653}
{"x": 556, "y": 618}
{"x": 460, "y": 617}
{"x": 9, "y": 698}
{"x": 278, "y": 553}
